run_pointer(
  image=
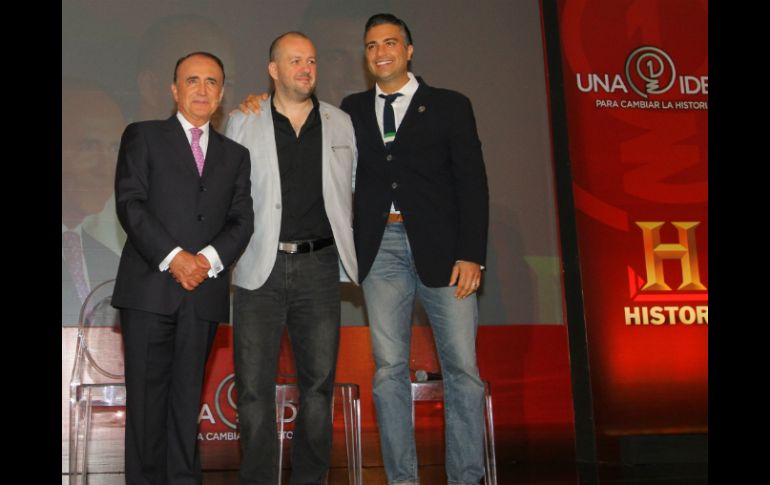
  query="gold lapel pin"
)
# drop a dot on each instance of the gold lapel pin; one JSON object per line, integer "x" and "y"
{"x": 422, "y": 109}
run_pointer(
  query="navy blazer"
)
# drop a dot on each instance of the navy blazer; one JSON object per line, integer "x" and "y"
{"x": 434, "y": 171}
{"x": 163, "y": 203}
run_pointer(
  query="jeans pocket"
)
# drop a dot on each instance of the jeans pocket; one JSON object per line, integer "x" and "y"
{"x": 327, "y": 256}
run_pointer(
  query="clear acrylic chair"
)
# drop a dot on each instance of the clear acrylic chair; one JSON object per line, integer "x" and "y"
{"x": 433, "y": 390}
{"x": 287, "y": 398}
{"x": 97, "y": 381}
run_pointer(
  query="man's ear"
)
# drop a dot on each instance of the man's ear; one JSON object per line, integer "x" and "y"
{"x": 272, "y": 69}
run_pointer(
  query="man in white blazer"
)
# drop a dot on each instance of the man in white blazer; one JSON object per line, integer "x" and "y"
{"x": 303, "y": 154}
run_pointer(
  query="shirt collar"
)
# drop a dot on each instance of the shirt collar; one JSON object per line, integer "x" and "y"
{"x": 187, "y": 125}
{"x": 407, "y": 89}
{"x": 313, "y": 98}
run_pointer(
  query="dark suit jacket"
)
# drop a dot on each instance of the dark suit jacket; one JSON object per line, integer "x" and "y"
{"x": 435, "y": 173}
{"x": 101, "y": 264}
{"x": 163, "y": 203}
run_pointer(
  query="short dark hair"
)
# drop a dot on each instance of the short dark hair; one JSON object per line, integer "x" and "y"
{"x": 274, "y": 43}
{"x": 204, "y": 54}
{"x": 388, "y": 18}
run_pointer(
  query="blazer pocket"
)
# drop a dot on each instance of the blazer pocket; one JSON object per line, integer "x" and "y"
{"x": 343, "y": 154}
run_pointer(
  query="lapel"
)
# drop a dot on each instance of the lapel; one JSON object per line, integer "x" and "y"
{"x": 413, "y": 116}
{"x": 214, "y": 154}
{"x": 326, "y": 143}
{"x": 266, "y": 130}
{"x": 370, "y": 119}
{"x": 101, "y": 261}
{"x": 178, "y": 141}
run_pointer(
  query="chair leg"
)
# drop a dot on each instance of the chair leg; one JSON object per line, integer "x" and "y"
{"x": 80, "y": 427}
{"x": 75, "y": 449}
{"x": 357, "y": 442}
{"x": 490, "y": 465}
{"x": 351, "y": 413}
{"x": 348, "y": 438}
{"x": 281, "y": 419}
{"x": 86, "y": 434}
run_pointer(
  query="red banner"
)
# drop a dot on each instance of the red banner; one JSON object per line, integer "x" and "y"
{"x": 636, "y": 89}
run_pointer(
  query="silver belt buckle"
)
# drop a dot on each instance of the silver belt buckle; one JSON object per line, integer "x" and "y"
{"x": 290, "y": 248}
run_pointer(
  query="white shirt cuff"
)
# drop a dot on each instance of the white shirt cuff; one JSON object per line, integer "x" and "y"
{"x": 216, "y": 264}
{"x": 163, "y": 266}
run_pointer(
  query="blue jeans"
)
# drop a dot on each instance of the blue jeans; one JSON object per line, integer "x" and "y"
{"x": 303, "y": 293}
{"x": 390, "y": 289}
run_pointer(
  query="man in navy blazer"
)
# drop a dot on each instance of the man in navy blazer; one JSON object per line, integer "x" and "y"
{"x": 420, "y": 227}
{"x": 182, "y": 193}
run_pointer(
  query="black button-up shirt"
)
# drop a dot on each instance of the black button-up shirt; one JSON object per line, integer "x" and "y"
{"x": 300, "y": 161}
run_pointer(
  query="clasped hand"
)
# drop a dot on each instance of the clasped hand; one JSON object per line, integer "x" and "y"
{"x": 189, "y": 270}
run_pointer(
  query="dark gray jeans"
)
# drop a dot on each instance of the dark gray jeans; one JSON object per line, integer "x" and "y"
{"x": 303, "y": 293}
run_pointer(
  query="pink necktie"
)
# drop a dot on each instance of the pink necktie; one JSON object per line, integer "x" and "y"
{"x": 73, "y": 253}
{"x": 196, "y": 148}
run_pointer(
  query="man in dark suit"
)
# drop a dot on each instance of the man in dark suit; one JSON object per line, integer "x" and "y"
{"x": 420, "y": 228}
{"x": 90, "y": 132}
{"x": 183, "y": 197}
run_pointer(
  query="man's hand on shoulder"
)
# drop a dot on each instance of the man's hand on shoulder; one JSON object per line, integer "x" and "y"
{"x": 251, "y": 104}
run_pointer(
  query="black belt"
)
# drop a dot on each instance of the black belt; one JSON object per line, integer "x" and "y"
{"x": 296, "y": 247}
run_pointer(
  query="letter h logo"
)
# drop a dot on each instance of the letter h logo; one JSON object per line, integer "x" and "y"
{"x": 685, "y": 251}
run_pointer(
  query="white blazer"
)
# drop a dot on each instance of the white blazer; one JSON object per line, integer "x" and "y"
{"x": 339, "y": 155}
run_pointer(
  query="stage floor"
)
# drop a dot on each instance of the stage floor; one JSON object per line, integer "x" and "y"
{"x": 508, "y": 474}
